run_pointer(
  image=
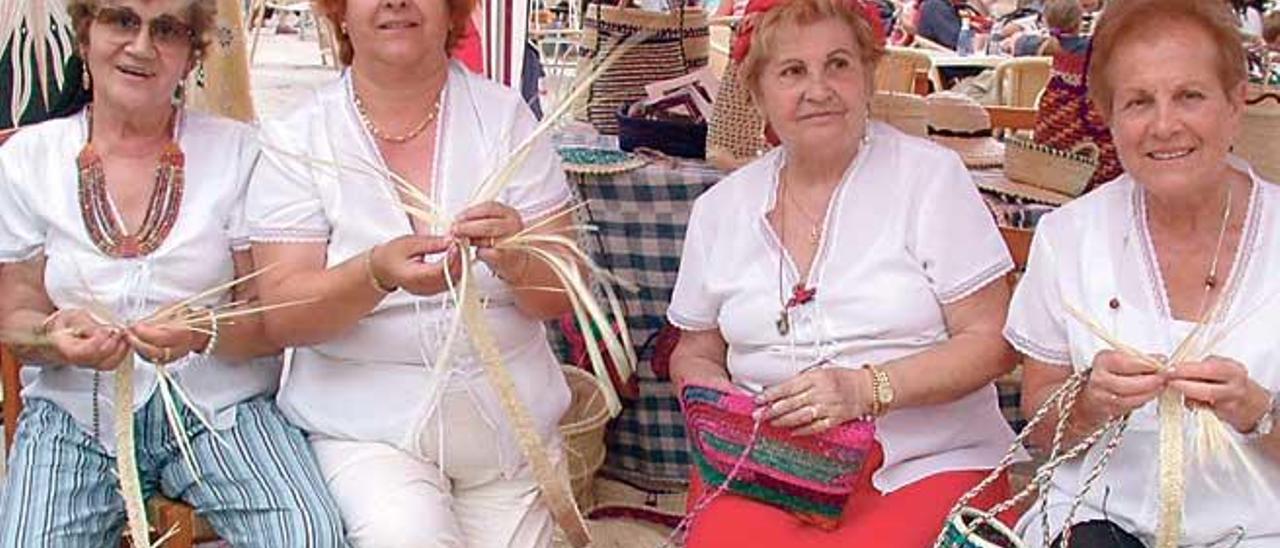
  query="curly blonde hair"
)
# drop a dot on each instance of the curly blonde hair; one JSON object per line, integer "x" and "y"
{"x": 806, "y": 12}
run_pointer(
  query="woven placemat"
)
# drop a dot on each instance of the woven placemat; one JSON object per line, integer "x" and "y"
{"x": 598, "y": 161}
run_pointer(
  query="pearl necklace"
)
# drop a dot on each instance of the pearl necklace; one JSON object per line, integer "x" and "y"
{"x": 384, "y": 136}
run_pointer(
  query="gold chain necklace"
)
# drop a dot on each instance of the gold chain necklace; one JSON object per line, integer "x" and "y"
{"x": 384, "y": 136}
{"x": 815, "y": 225}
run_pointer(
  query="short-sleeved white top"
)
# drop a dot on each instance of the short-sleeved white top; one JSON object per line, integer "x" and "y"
{"x": 906, "y": 233}
{"x": 376, "y": 381}
{"x": 1095, "y": 249}
{"x": 40, "y": 213}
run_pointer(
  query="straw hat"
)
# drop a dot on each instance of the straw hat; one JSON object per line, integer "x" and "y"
{"x": 961, "y": 124}
{"x": 905, "y": 111}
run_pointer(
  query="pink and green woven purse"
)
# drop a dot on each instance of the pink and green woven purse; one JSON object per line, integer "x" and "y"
{"x": 810, "y": 476}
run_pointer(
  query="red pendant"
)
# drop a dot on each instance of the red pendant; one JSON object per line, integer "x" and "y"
{"x": 801, "y": 295}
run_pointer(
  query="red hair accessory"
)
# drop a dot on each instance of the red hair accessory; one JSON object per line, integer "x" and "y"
{"x": 742, "y": 40}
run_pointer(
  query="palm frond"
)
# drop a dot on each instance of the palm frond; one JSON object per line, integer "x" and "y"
{"x": 38, "y": 36}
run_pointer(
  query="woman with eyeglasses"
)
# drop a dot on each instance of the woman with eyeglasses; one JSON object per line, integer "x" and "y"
{"x": 106, "y": 217}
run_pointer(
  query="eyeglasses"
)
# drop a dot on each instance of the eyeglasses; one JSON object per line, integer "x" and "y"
{"x": 123, "y": 24}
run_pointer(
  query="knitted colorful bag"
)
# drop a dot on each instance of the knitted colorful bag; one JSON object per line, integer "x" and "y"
{"x": 1066, "y": 118}
{"x": 810, "y": 476}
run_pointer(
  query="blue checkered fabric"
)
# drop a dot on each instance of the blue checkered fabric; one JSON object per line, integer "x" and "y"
{"x": 641, "y": 217}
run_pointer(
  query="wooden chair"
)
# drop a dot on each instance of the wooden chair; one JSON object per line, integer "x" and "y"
{"x": 1019, "y": 242}
{"x": 898, "y": 68}
{"x": 1015, "y": 118}
{"x": 1019, "y": 81}
{"x": 164, "y": 514}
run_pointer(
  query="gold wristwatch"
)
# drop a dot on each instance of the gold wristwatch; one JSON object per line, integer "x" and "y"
{"x": 881, "y": 390}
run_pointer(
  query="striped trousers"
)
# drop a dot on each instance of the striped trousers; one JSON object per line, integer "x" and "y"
{"x": 261, "y": 488}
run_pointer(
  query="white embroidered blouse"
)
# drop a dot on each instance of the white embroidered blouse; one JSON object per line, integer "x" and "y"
{"x": 906, "y": 233}
{"x": 318, "y": 183}
{"x": 1096, "y": 249}
{"x": 40, "y": 213}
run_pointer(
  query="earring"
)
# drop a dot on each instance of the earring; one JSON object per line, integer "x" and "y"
{"x": 200, "y": 75}
{"x": 180, "y": 95}
{"x": 84, "y": 76}
{"x": 343, "y": 26}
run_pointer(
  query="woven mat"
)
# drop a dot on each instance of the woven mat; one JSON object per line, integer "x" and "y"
{"x": 628, "y": 517}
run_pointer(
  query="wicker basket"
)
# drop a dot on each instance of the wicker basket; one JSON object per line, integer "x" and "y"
{"x": 1259, "y": 139}
{"x": 735, "y": 135}
{"x": 971, "y": 528}
{"x": 1055, "y": 170}
{"x": 582, "y": 428}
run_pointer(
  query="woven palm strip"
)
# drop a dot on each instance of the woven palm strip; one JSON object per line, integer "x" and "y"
{"x": 679, "y": 44}
{"x": 735, "y": 135}
{"x": 552, "y": 480}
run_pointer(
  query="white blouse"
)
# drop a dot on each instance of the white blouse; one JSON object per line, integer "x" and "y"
{"x": 377, "y": 382}
{"x": 1096, "y": 249}
{"x": 906, "y": 234}
{"x": 40, "y": 213}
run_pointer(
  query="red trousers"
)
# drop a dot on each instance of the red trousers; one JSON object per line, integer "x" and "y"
{"x": 910, "y": 517}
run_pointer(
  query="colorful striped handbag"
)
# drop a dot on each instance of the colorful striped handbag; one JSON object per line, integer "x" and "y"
{"x": 810, "y": 476}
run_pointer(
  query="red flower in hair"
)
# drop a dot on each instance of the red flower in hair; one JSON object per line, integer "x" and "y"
{"x": 742, "y": 41}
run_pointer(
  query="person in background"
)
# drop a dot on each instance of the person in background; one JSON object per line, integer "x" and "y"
{"x": 1063, "y": 19}
{"x": 1092, "y": 10}
{"x": 1023, "y": 19}
{"x": 1271, "y": 31}
{"x": 1249, "y": 15}
{"x": 939, "y": 21}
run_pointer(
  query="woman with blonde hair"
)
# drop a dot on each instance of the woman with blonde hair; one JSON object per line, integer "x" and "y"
{"x": 852, "y": 272}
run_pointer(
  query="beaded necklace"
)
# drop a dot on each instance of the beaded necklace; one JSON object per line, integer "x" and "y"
{"x": 101, "y": 220}
{"x": 107, "y": 230}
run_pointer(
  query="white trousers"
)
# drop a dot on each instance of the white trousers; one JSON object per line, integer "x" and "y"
{"x": 392, "y": 497}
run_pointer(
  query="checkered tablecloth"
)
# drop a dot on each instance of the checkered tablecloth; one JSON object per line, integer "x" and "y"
{"x": 641, "y": 217}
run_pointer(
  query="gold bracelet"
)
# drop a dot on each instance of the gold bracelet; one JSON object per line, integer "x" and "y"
{"x": 881, "y": 390}
{"x": 373, "y": 278}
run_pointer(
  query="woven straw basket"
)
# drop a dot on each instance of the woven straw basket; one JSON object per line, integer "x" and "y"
{"x": 1049, "y": 168}
{"x": 1259, "y": 139}
{"x": 582, "y": 428}
{"x": 735, "y": 135}
{"x": 972, "y": 528}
